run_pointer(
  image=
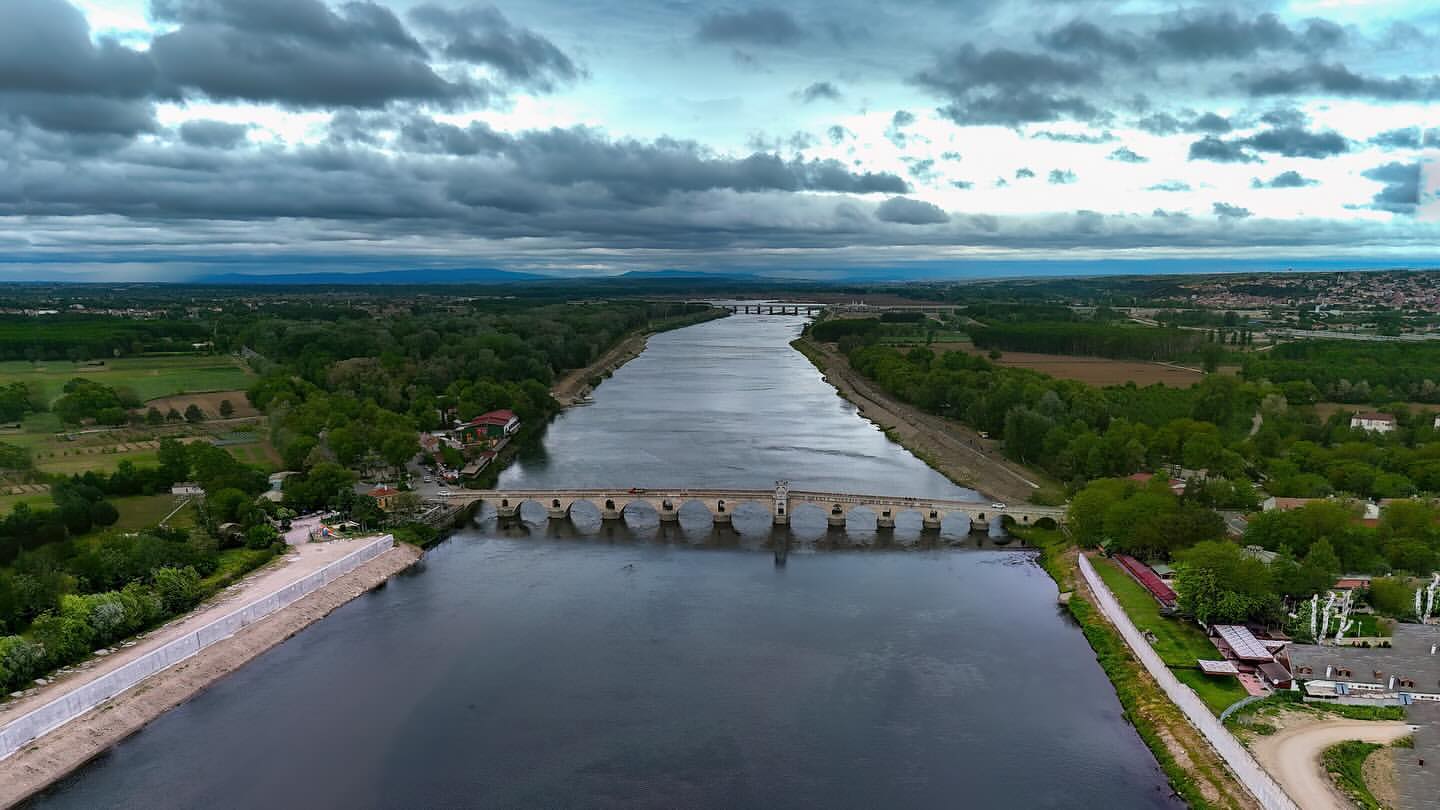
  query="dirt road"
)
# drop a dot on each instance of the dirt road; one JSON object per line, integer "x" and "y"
{"x": 955, "y": 450}
{"x": 1292, "y": 756}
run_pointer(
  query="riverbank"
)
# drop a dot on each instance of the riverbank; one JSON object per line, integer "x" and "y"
{"x": 574, "y": 386}
{"x": 952, "y": 449}
{"x": 54, "y": 755}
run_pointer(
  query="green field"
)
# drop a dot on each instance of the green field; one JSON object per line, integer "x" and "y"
{"x": 8, "y": 502}
{"x": 147, "y": 377}
{"x": 1178, "y": 642}
{"x": 100, "y": 462}
{"x": 144, "y": 511}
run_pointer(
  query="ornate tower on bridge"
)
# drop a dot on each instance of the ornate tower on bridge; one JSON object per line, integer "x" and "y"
{"x": 781, "y": 510}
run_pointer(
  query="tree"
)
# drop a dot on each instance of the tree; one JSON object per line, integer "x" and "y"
{"x": 261, "y": 535}
{"x": 226, "y": 409}
{"x": 172, "y": 416}
{"x": 154, "y": 417}
{"x": 1089, "y": 506}
{"x": 193, "y": 413}
{"x": 103, "y": 513}
{"x": 1217, "y": 582}
{"x": 179, "y": 588}
{"x": 1393, "y": 596}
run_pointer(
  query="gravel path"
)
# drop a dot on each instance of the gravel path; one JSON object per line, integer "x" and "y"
{"x": 1292, "y": 756}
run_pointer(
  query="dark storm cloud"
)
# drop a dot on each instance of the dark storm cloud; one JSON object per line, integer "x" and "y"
{"x": 213, "y": 134}
{"x": 1226, "y": 211}
{"x": 1338, "y": 80}
{"x": 756, "y": 26}
{"x": 1290, "y": 179}
{"x": 1167, "y": 124}
{"x": 45, "y": 47}
{"x": 481, "y": 35}
{"x": 906, "y": 211}
{"x": 1225, "y": 35}
{"x": 1297, "y": 142}
{"x": 1070, "y": 137}
{"x": 1006, "y": 87}
{"x": 1061, "y": 177}
{"x": 1082, "y": 36}
{"x": 55, "y": 77}
{"x": 1285, "y": 117}
{"x": 1214, "y": 149}
{"x": 1126, "y": 155}
{"x": 819, "y": 91}
{"x": 299, "y": 53}
{"x": 420, "y": 134}
{"x": 1401, "y": 194}
{"x": 1408, "y": 138}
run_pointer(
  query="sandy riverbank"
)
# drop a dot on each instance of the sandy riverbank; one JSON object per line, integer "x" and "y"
{"x": 955, "y": 450}
{"x": 575, "y": 385}
{"x": 56, "y": 754}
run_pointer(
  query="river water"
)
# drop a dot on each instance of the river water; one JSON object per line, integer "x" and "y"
{"x": 579, "y": 664}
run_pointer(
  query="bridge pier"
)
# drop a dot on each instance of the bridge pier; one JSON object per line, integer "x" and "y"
{"x": 667, "y": 512}
{"x": 505, "y": 510}
{"x": 610, "y": 512}
{"x": 931, "y": 521}
{"x": 836, "y": 518}
{"x": 885, "y": 521}
{"x": 720, "y": 515}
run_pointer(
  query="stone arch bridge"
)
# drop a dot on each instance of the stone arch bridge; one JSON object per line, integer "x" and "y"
{"x": 780, "y": 501}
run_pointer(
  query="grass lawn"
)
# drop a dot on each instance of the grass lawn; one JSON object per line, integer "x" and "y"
{"x": 143, "y": 511}
{"x": 235, "y": 563}
{"x": 101, "y": 462}
{"x": 1178, "y": 642}
{"x": 148, "y": 377}
{"x": 8, "y": 502}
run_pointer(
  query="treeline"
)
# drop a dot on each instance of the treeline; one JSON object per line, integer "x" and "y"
{"x": 340, "y": 393}
{"x": 1073, "y": 431}
{"x": 83, "y": 337}
{"x": 91, "y": 595}
{"x": 1221, "y": 581}
{"x": 1353, "y": 371}
{"x": 1098, "y": 340}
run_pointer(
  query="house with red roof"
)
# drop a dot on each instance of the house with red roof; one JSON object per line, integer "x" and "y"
{"x": 488, "y": 429}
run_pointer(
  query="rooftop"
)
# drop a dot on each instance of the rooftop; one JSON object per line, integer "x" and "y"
{"x": 1243, "y": 643}
{"x": 1410, "y": 656}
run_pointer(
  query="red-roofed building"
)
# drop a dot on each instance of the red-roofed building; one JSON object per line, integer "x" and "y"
{"x": 488, "y": 428}
{"x": 1147, "y": 577}
{"x": 383, "y": 495}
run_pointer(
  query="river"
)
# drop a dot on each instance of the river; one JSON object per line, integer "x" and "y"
{"x": 581, "y": 664}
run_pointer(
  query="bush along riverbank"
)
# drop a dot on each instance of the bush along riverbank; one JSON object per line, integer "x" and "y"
{"x": 1195, "y": 771}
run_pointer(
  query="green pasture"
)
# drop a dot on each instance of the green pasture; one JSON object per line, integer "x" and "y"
{"x": 148, "y": 377}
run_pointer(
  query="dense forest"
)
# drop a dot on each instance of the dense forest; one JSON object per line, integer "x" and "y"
{"x": 1094, "y": 339}
{"x": 1354, "y": 371}
{"x": 85, "y": 337}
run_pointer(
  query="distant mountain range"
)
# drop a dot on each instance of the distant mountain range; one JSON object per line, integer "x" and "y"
{"x": 478, "y": 275}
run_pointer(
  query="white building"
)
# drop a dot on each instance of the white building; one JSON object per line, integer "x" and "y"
{"x": 1374, "y": 422}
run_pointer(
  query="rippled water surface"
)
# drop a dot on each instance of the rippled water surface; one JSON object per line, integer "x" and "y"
{"x": 560, "y": 665}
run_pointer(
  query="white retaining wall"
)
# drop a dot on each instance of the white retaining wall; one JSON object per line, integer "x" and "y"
{"x": 1241, "y": 763}
{"x": 75, "y": 703}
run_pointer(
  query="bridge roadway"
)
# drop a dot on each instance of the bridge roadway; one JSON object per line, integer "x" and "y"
{"x": 781, "y": 502}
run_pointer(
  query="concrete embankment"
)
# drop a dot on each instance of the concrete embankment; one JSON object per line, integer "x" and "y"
{"x": 50, "y": 757}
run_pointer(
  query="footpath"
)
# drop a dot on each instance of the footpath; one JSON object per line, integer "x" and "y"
{"x": 1260, "y": 784}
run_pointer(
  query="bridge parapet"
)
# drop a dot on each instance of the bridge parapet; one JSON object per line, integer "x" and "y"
{"x": 721, "y": 504}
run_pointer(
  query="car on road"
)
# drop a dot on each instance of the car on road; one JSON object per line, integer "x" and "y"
{"x": 444, "y": 493}
{"x": 997, "y": 505}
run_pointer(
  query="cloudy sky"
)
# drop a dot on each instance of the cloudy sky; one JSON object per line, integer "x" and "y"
{"x": 162, "y": 138}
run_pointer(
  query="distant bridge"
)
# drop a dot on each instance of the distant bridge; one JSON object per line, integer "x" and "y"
{"x": 780, "y": 501}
